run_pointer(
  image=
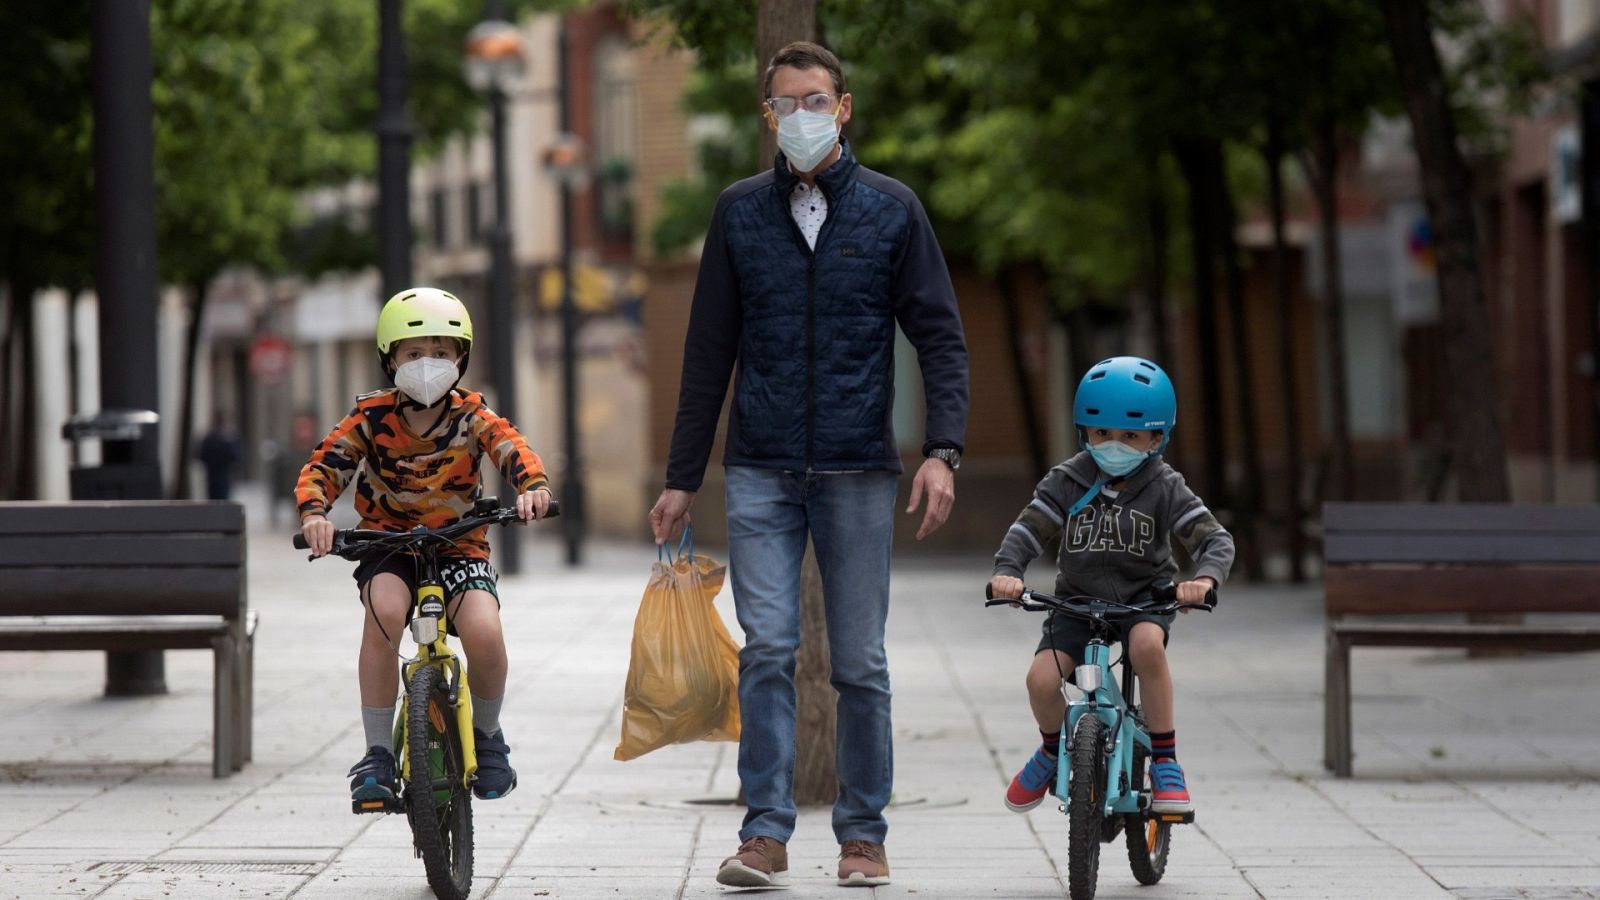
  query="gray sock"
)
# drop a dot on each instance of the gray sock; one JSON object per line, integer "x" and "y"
{"x": 378, "y": 723}
{"x": 486, "y": 714}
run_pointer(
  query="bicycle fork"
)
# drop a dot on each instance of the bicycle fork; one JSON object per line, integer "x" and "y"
{"x": 1103, "y": 698}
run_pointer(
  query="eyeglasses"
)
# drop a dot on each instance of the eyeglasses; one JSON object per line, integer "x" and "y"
{"x": 821, "y": 102}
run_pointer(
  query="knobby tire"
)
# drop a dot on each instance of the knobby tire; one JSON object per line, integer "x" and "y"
{"x": 442, "y": 831}
{"x": 1084, "y": 806}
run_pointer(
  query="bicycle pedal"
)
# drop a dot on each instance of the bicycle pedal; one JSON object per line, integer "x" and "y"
{"x": 392, "y": 805}
{"x": 1171, "y": 818}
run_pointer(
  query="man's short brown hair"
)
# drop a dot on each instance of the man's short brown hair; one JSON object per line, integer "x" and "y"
{"x": 805, "y": 55}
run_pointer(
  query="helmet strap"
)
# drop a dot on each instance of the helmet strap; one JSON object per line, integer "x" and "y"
{"x": 1090, "y": 494}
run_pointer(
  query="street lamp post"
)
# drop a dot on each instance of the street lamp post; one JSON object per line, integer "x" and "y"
{"x": 494, "y": 62}
{"x": 125, "y": 271}
{"x": 564, "y": 160}
{"x": 394, "y": 151}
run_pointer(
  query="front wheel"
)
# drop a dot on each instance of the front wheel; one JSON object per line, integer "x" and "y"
{"x": 1148, "y": 839}
{"x": 437, "y": 800}
{"x": 1084, "y": 806}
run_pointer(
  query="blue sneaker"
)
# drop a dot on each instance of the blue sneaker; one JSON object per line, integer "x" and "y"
{"x": 495, "y": 777}
{"x": 1031, "y": 785}
{"x": 1169, "y": 794}
{"x": 373, "y": 777}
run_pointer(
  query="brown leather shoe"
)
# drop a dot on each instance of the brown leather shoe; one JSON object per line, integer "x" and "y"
{"x": 863, "y": 864}
{"x": 760, "y": 862}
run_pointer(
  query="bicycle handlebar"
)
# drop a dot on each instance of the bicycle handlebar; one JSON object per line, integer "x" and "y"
{"x": 1166, "y": 597}
{"x": 347, "y": 539}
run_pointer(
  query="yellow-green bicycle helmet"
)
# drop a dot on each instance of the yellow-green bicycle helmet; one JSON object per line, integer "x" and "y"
{"x": 423, "y": 312}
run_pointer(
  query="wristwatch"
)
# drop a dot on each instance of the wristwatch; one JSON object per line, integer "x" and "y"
{"x": 950, "y": 455}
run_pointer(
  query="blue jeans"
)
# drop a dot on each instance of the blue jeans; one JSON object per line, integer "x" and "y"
{"x": 851, "y": 521}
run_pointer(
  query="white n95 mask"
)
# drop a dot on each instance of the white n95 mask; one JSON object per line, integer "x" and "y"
{"x": 426, "y": 380}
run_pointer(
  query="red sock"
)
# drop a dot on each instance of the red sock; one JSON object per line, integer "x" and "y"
{"x": 1164, "y": 745}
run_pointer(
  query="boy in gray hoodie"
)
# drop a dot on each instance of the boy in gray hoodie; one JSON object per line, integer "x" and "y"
{"x": 1113, "y": 506}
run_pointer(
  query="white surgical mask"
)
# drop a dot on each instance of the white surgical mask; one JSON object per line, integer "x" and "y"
{"x": 1116, "y": 458}
{"x": 806, "y": 138}
{"x": 426, "y": 380}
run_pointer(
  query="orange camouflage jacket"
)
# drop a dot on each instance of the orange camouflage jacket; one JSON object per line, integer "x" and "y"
{"x": 407, "y": 479}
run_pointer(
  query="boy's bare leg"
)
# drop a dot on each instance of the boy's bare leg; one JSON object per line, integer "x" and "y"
{"x": 378, "y": 669}
{"x": 1147, "y": 649}
{"x": 1044, "y": 689}
{"x": 477, "y": 620}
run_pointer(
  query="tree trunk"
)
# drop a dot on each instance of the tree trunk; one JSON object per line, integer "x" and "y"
{"x": 26, "y": 485}
{"x": 1031, "y": 426}
{"x": 1321, "y": 166}
{"x": 778, "y": 24}
{"x": 181, "y": 489}
{"x": 1273, "y": 156}
{"x": 816, "y": 782}
{"x": 8, "y": 385}
{"x": 1080, "y": 348}
{"x": 1156, "y": 217}
{"x": 1160, "y": 246}
{"x": 1196, "y": 157}
{"x": 1247, "y": 503}
{"x": 1473, "y": 422}
{"x": 816, "y": 702}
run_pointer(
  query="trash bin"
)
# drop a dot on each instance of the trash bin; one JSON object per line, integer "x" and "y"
{"x": 119, "y": 476}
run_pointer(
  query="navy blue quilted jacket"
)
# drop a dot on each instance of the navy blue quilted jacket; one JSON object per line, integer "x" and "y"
{"x": 812, "y": 333}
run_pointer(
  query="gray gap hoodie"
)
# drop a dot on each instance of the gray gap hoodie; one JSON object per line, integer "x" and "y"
{"x": 1115, "y": 548}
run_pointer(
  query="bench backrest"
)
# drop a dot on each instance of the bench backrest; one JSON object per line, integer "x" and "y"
{"x": 1407, "y": 558}
{"x": 127, "y": 557}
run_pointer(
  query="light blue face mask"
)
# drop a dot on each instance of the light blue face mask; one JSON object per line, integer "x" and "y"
{"x": 1116, "y": 458}
{"x": 806, "y": 138}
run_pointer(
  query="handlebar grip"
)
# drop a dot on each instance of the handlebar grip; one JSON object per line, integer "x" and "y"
{"x": 553, "y": 511}
{"x": 988, "y": 593}
{"x": 300, "y": 542}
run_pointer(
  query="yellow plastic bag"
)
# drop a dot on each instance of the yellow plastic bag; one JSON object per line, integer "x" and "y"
{"x": 683, "y": 678}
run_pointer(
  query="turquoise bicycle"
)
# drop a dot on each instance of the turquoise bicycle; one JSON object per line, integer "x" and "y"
{"x": 1102, "y": 778}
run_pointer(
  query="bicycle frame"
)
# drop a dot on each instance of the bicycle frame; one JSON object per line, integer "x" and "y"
{"x": 431, "y": 608}
{"x": 1106, "y": 702}
{"x": 1104, "y": 699}
{"x": 430, "y": 629}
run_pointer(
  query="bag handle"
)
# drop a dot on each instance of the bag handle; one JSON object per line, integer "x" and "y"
{"x": 686, "y": 541}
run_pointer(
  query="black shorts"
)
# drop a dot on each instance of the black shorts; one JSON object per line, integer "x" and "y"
{"x": 459, "y": 575}
{"x": 1070, "y": 634}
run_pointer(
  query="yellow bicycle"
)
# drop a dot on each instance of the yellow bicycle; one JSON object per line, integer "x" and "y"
{"x": 434, "y": 726}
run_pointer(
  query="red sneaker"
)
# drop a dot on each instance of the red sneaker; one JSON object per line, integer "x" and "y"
{"x": 1169, "y": 794}
{"x": 1031, "y": 785}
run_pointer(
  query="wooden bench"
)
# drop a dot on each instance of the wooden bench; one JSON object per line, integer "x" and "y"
{"x": 136, "y": 575}
{"x": 1436, "y": 560}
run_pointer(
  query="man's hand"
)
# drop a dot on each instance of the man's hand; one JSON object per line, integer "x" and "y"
{"x": 937, "y": 481}
{"x": 1195, "y": 591}
{"x": 318, "y": 532}
{"x": 533, "y": 504}
{"x": 670, "y": 513}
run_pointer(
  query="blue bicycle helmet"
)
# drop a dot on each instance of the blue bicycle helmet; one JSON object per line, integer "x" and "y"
{"x": 1126, "y": 392}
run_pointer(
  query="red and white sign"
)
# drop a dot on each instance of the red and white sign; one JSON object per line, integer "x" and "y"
{"x": 270, "y": 359}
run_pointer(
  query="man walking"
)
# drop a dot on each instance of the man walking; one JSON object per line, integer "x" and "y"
{"x": 806, "y": 270}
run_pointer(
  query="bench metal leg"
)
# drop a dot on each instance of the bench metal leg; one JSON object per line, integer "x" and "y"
{"x": 224, "y": 697}
{"x": 245, "y": 679}
{"x": 1336, "y": 707}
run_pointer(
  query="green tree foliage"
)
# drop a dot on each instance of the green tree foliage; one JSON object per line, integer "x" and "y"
{"x": 1034, "y": 129}
{"x": 254, "y": 102}
{"x": 45, "y": 218}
